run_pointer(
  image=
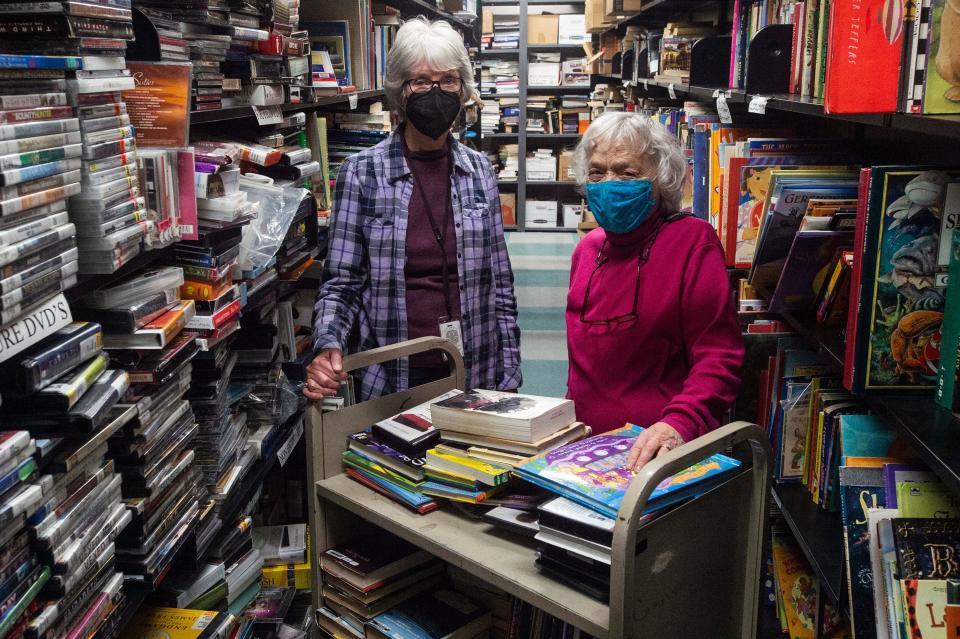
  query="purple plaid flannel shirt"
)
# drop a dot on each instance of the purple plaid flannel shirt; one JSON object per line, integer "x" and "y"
{"x": 364, "y": 272}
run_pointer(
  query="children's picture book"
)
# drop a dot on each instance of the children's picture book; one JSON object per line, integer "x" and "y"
{"x": 807, "y": 265}
{"x": 941, "y": 90}
{"x": 798, "y": 588}
{"x": 592, "y": 472}
{"x": 861, "y": 489}
{"x": 902, "y": 280}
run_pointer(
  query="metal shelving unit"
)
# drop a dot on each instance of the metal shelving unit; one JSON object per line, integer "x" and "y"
{"x": 237, "y": 113}
{"x": 522, "y": 137}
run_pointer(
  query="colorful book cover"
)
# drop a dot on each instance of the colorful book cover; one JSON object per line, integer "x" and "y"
{"x": 927, "y": 548}
{"x": 807, "y": 265}
{"x": 864, "y": 36}
{"x": 867, "y": 436}
{"x": 175, "y": 623}
{"x": 926, "y": 605}
{"x": 418, "y": 502}
{"x": 941, "y": 90}
{"x": 592, "y": 472}
{"x": 902, "y": 279}
{"x": 798, "y": 587}
{"x": 860, "y": 489}
{"x": 931, "y": 499}
{"x": 899, "y": 472}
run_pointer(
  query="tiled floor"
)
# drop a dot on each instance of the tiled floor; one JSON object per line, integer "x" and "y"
{"x": 541, "y": 268}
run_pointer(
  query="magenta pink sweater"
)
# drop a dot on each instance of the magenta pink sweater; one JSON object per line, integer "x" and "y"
{"x": 678, "y": 361}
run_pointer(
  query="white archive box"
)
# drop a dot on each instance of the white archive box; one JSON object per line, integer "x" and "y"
{"x": 540, "y": 214}
{"x": 572, "y": 215}
{"x": 543, "y": 74}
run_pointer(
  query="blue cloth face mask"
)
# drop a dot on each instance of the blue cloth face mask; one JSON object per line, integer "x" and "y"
{"x": 620, "y": 206}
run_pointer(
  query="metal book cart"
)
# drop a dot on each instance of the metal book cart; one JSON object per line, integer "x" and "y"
{"x": 693, "y": 572}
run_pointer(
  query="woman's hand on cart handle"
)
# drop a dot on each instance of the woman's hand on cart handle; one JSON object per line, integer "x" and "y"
{"x": 653, "y": 441}
{"x": 324, "y": 374}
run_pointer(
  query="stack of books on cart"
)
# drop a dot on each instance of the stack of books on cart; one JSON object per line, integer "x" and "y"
{"x": 459, "y": 446}
{"x": 528, "y": 466}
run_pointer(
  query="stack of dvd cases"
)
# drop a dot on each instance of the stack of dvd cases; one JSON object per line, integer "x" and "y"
{"x": 22, "y": 575}
{"x": 40, "y": 148}
{"x": 105, "y": 205}
{"x": 63, "y": 392}
{"x": 296, "y": 165}
{"x": 144, "y": 321}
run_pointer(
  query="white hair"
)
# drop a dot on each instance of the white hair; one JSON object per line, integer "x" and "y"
{"x": 650, "y": 140}
{"x": 436, "y": 44}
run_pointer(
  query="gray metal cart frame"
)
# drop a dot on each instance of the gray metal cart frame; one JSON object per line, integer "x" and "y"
{"x": 693, "y": 572}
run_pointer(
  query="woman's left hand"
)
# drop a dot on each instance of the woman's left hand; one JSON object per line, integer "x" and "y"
{"x": 653, "y": 441}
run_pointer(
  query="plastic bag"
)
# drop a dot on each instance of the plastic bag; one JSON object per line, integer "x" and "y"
{"x": 264, "y": 235}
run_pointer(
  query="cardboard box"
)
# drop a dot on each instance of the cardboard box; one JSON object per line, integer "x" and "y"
{"x": 508, "y": 208}
{"x": 565, "y": 173}
{"x": 543, "y": 29}
{"x": 620, "y": 8}
{"x": 573, "y": 29}
{"x": 543, "y": 74}
{"x": 572, "y": 215}
{"x": 487, "y": 21}
{"x": 541, "y": 214}
{"x": 453, "y": 5}
{"x": 593, "y": 16}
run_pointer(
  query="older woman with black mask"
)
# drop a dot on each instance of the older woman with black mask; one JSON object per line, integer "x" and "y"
{"x": 416, "y": 237}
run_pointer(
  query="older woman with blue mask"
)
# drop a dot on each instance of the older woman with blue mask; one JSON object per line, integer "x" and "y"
{"x": 652, "y": 332}
{"x": 416, "y": 237}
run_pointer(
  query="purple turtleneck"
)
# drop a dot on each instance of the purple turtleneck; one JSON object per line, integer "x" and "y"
{"x": 678, "y": 360}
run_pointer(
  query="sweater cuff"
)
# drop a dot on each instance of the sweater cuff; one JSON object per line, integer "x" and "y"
{"x": 324, "y": 341}
{"x": 687, "y": 429}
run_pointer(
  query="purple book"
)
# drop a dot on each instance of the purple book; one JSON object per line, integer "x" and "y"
{"x": 810, "y": 253}
{"x": 894, "y": 473}
{"x": 366, "y": 444}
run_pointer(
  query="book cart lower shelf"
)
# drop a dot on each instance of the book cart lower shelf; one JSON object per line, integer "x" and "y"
{"x": 695, "y": 570}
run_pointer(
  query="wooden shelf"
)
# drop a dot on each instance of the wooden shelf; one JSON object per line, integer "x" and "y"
{"x": 502, "y": 559}
{"x": 236, "y": 113}
{"x": 819, "y": 534}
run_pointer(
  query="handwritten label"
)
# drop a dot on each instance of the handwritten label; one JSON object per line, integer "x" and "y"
{"x": 268, "y": 115}
{"x": 352, "y": 98}
{"x": 671, "y": 92}
{"x": 723, "y": 109}
{"x": 758, "y": 104}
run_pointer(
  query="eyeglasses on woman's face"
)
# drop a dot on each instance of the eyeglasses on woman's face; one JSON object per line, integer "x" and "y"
{"x": 423, "y": 84}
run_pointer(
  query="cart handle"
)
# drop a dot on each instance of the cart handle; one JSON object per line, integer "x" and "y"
{"x": 391, "y": 352}
{"x": 622, "y": 575}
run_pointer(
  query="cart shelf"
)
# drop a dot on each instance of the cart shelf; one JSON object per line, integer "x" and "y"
{"x": 499, "y": 558}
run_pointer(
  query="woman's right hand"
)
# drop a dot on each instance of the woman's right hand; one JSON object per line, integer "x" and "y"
{"x": 324, "y": 375}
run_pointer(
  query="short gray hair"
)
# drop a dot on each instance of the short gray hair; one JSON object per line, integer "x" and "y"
{"x": 421, "y": 41}
{"x": 649, "y": 139}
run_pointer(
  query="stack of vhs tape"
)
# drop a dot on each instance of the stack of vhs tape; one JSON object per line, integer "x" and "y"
{"x": 109, "y": 209}
{"x": 105, "y": 208}
{"x": 144, "y": 320}
{"x": 40, "y": 149}
{"x": 296, "y": 164}
{"x": 65, "y": 394}
{"x": 173, "y": 46}
{"x": 23, "y": 575}
{"x": 220, "y": 202}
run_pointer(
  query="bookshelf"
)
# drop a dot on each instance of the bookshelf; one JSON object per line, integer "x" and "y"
{"x": 238, "y": 113}
{"x": 523, "y": 139}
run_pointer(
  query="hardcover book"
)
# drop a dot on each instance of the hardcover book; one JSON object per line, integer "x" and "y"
{"x": 900, "y": 293}
{"x": 927, "y": 548}
{"x": 373, "y": 560}
{"x": 525, "y": 418}
{"x": 444, "y": 613}
{"x": 592, "y": 472}
{"x": 861, "y": 489}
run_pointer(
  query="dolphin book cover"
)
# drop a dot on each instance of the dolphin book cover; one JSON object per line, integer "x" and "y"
{"x": 903, "y": 281}
{"x": 592, "y": 472}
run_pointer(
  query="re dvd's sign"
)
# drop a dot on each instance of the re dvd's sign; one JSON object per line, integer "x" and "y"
{"x": 32, "y": 328}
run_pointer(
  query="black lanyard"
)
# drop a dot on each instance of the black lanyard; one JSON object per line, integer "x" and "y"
{"x": 439, "y": 233}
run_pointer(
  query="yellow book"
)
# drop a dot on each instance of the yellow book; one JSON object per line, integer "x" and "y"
{"x": 798, "y": 588}
{"x": 473, "y": 468}
{"x": 173, "y": 623}
{"x": 289, "y": 575}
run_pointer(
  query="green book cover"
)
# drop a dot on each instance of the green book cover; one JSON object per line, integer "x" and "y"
{"x": 245, "y": 599}
{"x": 351, "y": 458}
{"x": 822, "y": 39}
{"x": 950, "y": 331}
{"x": 926, "y": 499}
{"x": 209, "y": 599}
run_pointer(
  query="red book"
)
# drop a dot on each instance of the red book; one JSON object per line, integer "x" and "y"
{"x": 863, "y": 56}
{"x": 853, "y": 303}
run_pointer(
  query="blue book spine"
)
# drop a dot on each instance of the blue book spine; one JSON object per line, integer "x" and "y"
{"x": 701, "y": 188}
{"x": 8, "y": 61}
